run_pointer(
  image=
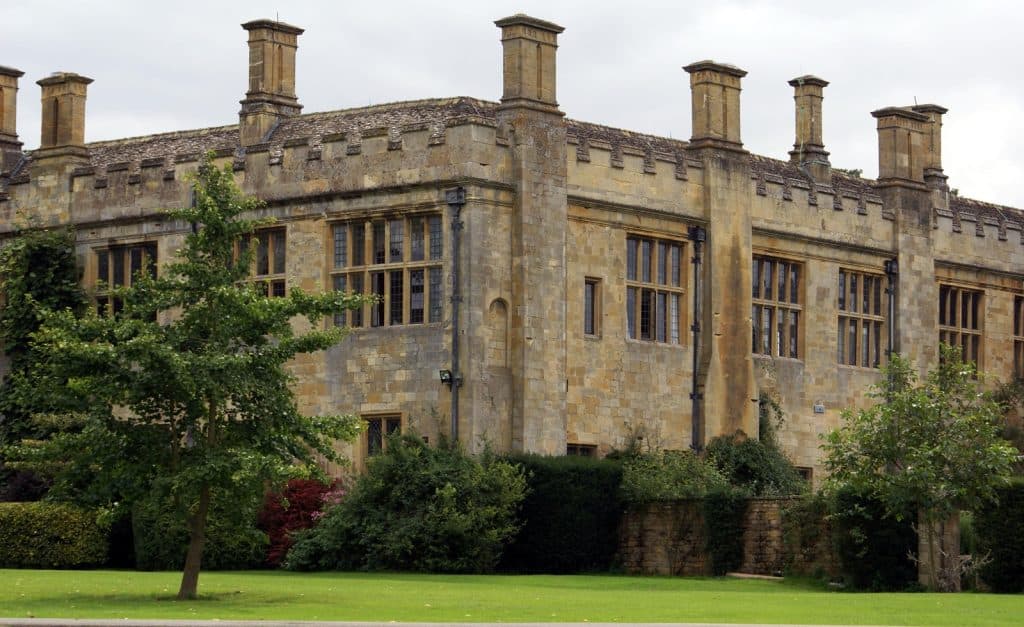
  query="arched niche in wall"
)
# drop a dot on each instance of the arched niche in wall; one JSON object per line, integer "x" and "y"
{"x": 497, "y": 334}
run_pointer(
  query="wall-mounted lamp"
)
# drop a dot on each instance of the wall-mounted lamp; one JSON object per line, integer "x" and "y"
{"x": 455, "y": 196}
{"x": 892, "y": 267}
{"x": 697, "y": 233}
{"x": 448, "y": 378}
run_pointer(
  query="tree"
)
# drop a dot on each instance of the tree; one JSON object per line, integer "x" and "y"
{"x": 933, "y": 447}
{"x": 186, "y": 390}
{"x": 38, "y": 273}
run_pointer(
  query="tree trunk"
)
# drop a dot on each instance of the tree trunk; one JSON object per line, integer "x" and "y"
{"x": 938, "y": 555}
{"x": 197, "y": 538}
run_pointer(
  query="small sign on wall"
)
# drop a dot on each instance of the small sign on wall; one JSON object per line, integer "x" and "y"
{"x": 819, "y": 407}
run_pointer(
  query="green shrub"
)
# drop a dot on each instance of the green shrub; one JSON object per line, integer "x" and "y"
{"x": 968, "y": 535}
{"x": 232, "y": 540}
{"x": 570, "y": 516}
{"x": 806, "y": 537}
{"x": 419, "y": 508}
{"x": 999, "y": 529}
{"x": 724, "y": 511}
{"x": 756, "y": 466}
{"x": 50, "y": 535}
{"x": 873, "y": 549}
{"x": 668, "y": 476}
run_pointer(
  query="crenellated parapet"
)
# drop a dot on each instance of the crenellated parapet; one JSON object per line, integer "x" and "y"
{"x": 841, "y": 192}
{"x": 339, "y": 152}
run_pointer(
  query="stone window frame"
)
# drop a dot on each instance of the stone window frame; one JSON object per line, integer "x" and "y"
{"x": 961, "y": 320}
{"x": 770, "y": 304}
{"x": 861, "y": 317}
{"x": 134, "y": 257}
{"x": 1018, "y": 337}
{"x": 659, "y": 285}
{"x": 575, "y": 449}
{"x": 593, "y": 306}
{"x": 378, "y": 427}
{"x": 269, "y": 264}
{"x": 377, "y": 255}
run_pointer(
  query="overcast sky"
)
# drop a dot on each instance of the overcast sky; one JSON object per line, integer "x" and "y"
{"x": 163, "y": 66}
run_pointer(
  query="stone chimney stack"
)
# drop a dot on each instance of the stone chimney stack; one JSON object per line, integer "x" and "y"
{"x": 809, "y": 148}
{"x": 528, "y": 59}
{"x": 933, "y": 174}
{"x": 536, "y": 132}
{"x": 63, "y": 123}
{"x": 715, "y": 91}
{"x": 10, "y": 147}
{"x": 271, "y": 95}
{"x": 902, "y": 152}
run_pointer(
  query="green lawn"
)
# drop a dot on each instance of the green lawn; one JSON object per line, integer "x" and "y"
{"x": 441, "y": 598}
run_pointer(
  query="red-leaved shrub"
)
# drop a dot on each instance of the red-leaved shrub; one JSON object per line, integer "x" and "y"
{"x": 297, "y": 507}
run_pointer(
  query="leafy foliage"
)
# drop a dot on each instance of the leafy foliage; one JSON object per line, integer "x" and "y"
{"x": 724, "y": 511}
{"x": 418, "y": 508}
{"x": 232, "y": 540}
{"x": 1000, "y": 532}
{"x": 21, "y": 486}
{"x": 932, "y": 447}
{"x": 806, "y": 537}
{"x": 570, "y": 516}
{"x": 873, "y": 546}
{"x": 37, "y": 273}
{"x": 186, "y": 392}
{"x": 758, "y": 468}
{"x": 50, "y": 535}
{"x": 669, "y": 475}
{"x": 296, "y": 507}
{"x": 1011, "y": 396}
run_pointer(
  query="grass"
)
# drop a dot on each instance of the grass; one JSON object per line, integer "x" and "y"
{"x": 254, "y": 595}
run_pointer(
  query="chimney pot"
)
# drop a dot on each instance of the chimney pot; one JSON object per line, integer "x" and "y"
{"x": 715, "y": 96}
{"x": 10, "y": 147}
{"x": 809, "y": 148}
{"x": 933, "y": 132}
{"x": 63, "y": 117}
{"x": 901, "y": 144}
{"x": 271, "y": 94}
{"x": 528, "y": 60}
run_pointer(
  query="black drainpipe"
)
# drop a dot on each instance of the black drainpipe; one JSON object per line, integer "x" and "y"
{"x": 697, "y": 236}
{"x": 891, "y": 273}
{"x": 456, "y": 199}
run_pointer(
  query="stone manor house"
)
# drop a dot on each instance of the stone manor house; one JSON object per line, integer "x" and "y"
{"x": 551, "y": 285}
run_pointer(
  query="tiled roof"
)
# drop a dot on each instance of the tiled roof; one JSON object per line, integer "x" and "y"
{"x": 989, "y": 212}
{"x": 623, "y": 138}
{"x": 841, "y": 182}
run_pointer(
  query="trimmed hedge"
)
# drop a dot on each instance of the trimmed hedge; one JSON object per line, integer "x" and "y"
{"x": 570, "y": 515}
{"x": 232, "y": 540}
{"x": 873, "y": 549}
{"x": 724, "y": 511}
{"x": 1000, "y": 534}
{"x": 50, "y": 535}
